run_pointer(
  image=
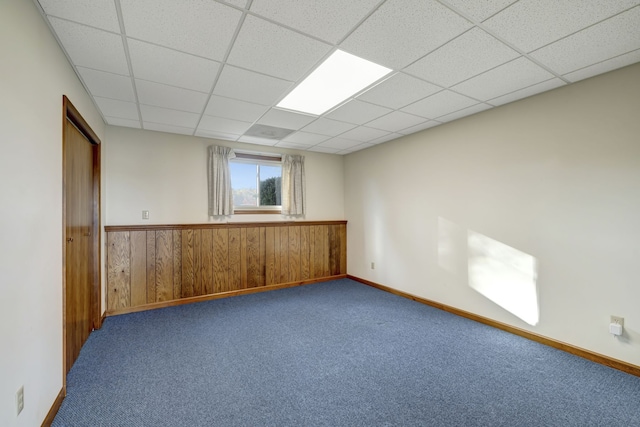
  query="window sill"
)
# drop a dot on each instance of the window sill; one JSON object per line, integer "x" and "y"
{"x": 257, "y": 211}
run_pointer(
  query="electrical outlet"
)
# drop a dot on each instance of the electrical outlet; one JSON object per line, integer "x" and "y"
{"x": 373, "y": 265}
{"x": 617, "y": 320}
{"x": 20, "y": 400}
{"x": 145, "y": 214}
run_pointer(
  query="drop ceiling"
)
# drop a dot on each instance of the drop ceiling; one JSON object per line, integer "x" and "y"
{"x": 215, "y": 69}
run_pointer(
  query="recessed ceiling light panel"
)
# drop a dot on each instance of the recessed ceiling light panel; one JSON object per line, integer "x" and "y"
{"x": 336, "y": 79}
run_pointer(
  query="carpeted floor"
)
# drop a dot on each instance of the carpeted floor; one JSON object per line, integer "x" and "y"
{"x": 332, "y": 354}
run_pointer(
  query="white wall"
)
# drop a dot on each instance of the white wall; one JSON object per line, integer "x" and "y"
{"x": 33, "y": 76}
{"x": 556, "y": 176}
{"x": 166, "y": 174}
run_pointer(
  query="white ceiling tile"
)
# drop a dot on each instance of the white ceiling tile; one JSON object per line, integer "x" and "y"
{"x": 326, "y": 150}
{"x": 418, "y": 128}
{"x": 293, "y": 145}
{"x": 468, "y": 55}
{"x": 396, "y": 121}
{"x": 358, "y": 112}
{"x": 238, "y": 3}
{"x": 329, "y": 20}
{"x": 359, "y": 147}
{"x": 107, "y": 85}
{"x": 161, "y": 127}
{"x": 169, "y": 117}
{"x": 117, "y": 121}
{"x": 209, "y": 123}
{"x": 285, "y": 119}
{"x": 386, "y": 138}
{"x": 528, "y": 91}
{"x": 514, "y": 75}
{"x": 531, "y": 24}
{"x": 605, "y": 66}
{"x": 162, "y": 65}
{"x": 401, "y": 31}
{"x": 441, "y": 103}
{"x": 328, "y": 127}
{"x": 249, "y": 86}
{"x": 339, "y": 143}
{"x": 464, "y": 112}
{"x": 305, "y": 138}
{"x": 97, "y": 13}
{"x": 170, "y": 97}
{"x": 216, "y": 134}
{"x": 259, "y": 47}
{"x": 398, "y": 91}
{"x": 480, "y": 10}
{"x": 116, "y": 108}
{"x": 91, "y": 48}
{"x": 200, "y": 27}
{"x": 257, "y": 140}
{"x": 234, "y": 109}
{"x": 364, "y": 134}
{"x": 613, "y": 37}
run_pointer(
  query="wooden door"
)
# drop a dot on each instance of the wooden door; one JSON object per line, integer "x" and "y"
{"x": 81, "y": 229}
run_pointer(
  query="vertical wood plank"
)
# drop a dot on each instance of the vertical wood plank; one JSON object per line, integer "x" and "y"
{"x": 276, "y": 254}
{"x": 284, "y": 255}
{"x": 151, "y": 266}
{"x": 253, "y": 256}
{"x": 319, "y": 251}
{"x": 334, "y": 250}
{"x": 187, "y": 264}
{"x": 197, "y": 262}
{"x": 221, "y": 261}
{"x": 118, "y": 270}
{"x": 262, "y": 267}
{"x": 235, "y": 279}
{"x": 343, "y": 248}
{"x": 294, "y": 253}
{"x": 177, "y": 264}
{"x": 138, "y": 268}
{"x": 207, "y": 249}
{"x": 270, "y": 256}
{"x": 244, "y": 281}
{"x": 304, "y": 252}
{"x": 326, "y": 271}
{"x": 164, "y": 265}
{"x": 312, "y": 251}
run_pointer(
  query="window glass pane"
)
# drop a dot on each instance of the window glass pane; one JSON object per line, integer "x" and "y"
{"x": 244, "y": 183}
{"x": 270, "y": 182}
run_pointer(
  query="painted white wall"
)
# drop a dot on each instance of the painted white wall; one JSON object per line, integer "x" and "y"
{"x": 166, "y": 174}
{"x": 556, "y": 177}
{"x": 33, "y": 76}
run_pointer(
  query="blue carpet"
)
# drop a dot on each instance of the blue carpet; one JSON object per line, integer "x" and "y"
{"x": 332, "y": 354}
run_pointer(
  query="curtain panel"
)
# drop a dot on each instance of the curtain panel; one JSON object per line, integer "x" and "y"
{"x": 293, "y": 185}
{"x": 219, "y": 181}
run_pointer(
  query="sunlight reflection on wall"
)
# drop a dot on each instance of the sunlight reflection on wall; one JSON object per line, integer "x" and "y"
{"x": 505, "y": 275}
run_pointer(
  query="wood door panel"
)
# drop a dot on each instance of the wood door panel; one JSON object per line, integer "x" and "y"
{"x": 81, "y": 233}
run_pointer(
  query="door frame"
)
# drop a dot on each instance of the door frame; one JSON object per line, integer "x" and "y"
{"x": 69, "y": 112}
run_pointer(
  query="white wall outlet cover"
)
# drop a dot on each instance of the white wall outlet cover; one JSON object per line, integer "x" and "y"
{"x": 615, "y": 329}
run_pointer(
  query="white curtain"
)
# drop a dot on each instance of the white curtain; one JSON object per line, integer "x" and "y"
{"x": 219, "y": 180}
{"x": 293, "y": 185}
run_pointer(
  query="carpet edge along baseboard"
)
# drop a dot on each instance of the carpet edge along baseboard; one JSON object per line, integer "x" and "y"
{"x": 48, "y": 420}
{"x": 219, "y": 295}
{"x": 569, "y": 348}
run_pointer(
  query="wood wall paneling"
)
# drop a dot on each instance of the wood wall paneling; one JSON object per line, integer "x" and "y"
{"x": 156, "y": 264}
{"x": 138, "y": 262}
{"x": 118, "y": 270}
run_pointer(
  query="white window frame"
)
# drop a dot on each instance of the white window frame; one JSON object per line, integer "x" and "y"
{"x": 257, "y": 159}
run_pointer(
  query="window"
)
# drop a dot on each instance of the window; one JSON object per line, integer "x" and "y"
{"x": 256, "y": 183}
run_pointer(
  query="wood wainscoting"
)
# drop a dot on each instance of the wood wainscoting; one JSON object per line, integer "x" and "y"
{"x": 148, "y": 266}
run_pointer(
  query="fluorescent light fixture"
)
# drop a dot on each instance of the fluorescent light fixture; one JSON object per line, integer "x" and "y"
{"x": 335, "y": 80}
